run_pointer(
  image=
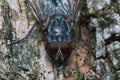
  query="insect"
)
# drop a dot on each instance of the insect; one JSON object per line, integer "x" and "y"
{"x": 62, "y": 17}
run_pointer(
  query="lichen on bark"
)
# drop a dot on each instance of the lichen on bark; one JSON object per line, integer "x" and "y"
{"x": 96, "y": 44}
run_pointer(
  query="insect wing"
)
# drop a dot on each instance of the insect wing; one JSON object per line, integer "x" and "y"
{"x": 47, "y": 8}
{"x": 50, "y": 7}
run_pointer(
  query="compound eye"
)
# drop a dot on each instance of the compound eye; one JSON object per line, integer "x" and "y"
{"x": 65, "y": 48}
{"x": 52, "y": 48}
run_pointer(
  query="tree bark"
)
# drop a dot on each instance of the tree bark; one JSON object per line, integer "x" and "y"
{"x": 96, "y": 43}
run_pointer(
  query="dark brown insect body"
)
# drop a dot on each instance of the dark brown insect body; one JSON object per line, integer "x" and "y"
{"x": 59, "y": 38}
{"x": 58, "y": 14}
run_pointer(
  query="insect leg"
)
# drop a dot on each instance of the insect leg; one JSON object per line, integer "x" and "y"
{"x": 25, "y": 36}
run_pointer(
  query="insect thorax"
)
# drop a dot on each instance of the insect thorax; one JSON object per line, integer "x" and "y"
{"x": 59, "y": 29}
{"x": 59, "y": 38}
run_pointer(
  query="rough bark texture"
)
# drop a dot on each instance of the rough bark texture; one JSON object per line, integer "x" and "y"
{"x": 96, "y": 41}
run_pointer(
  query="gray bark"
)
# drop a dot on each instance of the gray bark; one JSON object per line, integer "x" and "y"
{"x": 96, "y": 54}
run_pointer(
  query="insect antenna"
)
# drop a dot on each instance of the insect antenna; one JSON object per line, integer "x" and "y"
{"x": 58, "y": 70}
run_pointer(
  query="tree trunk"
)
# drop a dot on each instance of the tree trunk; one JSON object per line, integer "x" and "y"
{"x": 96, "y": 43}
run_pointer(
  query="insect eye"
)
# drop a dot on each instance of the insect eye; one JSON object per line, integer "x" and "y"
{"x": 65, "y": 48}
{"x": 52, "y": 48}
